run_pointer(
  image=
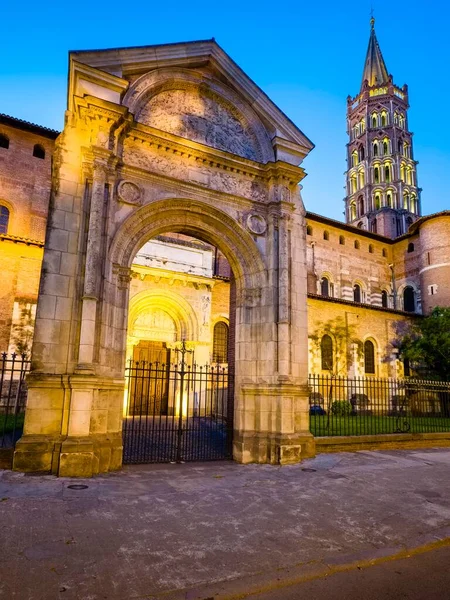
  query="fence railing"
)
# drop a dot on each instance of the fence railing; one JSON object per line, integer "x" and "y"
{"x": 371, "y": 406}
{"x": 13, "y": 397}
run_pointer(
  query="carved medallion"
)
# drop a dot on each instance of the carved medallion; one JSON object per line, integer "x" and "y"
{"x": 256, "y": 224}
{"x": 129, "y": 192}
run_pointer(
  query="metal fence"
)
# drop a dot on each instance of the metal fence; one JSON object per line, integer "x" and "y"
{"x": 177, "y": 412}
{"x": 13, "y": 397}
{"x": 371, "y": 406}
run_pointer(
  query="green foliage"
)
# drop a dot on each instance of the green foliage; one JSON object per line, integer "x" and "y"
{"x": 340, "y": 408}
{"x": 426, "y": 344}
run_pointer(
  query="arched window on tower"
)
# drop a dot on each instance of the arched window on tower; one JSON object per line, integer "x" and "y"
{"x": 413, "y": 203}
{"x": 402, "y": 171}
{"x": 354, "y": 158}
{"x": 387, "y": 173}
{"x": 369, "y": 357}
{"x": 360, "y": 206}
{"x": 395, "y": 118}
{"x": 376, "y": 174}
{"x": 389, "y": 199}
{"x": 4, "y": 219}
{"x": 4, "y": 141}
{"x": 377, "y": 201}
{"x": 386, "y": 151}
{"x": 409, "y": 299}
{"x": 374, "y": 120}
{"x": 325, "y": 287}
{"x": 361, "y": 153}
{"x": 353, "y": 184}
{"x": 384, "y": 299}
{"x": 406, "y": 201}
{"x": 375, "y": 148}
{"x": 352, "y": 211}
{"x": 326, "y": 351}
{"x": 383, "y": 119}
{"x": 357, "y": 293}
{"x": 220, "y": 342}
{"x": 361, "y": 178}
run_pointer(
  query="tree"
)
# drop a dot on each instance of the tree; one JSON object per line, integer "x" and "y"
{"x": 425, "y": 343}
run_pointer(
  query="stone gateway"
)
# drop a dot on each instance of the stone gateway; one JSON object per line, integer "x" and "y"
{"x": 168, "y": 139}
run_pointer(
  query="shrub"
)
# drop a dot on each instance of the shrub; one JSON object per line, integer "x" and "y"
{"x": 341, "y": 408}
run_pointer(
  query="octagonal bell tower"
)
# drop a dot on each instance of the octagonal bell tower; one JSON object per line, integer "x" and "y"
{"x": 382, "y": 191}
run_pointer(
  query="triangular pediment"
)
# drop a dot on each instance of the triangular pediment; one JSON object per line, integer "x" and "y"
{"x": 124, "y": 67}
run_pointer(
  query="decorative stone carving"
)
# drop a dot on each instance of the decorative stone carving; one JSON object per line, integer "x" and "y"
{"x": 129, "y": 193}
{"x": 256, "y": 224}
{"x": 198, "y": 115}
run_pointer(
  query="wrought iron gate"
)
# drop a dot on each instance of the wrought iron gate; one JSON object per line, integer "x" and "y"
{"x": 177, "y": 412}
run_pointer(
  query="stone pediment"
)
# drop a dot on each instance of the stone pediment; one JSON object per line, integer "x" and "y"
{"x": 196, "y": 91}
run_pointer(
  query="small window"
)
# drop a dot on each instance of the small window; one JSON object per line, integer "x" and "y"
{"x": 342, "y": 240}
{"x": 325, "y": 287}
{"x": 326, "y": 235}
{"x": 4, "y": 141}
{"x": 326, "y": 350}
{"x": 370, "y": 249}
{"x": 384, "y": 299}
{"x": 357, "y": 244}
{"x": 410, "y": 247}
{"x": 4, "y": 219}
{"x": 384, "y": 252}
{"x": 38, "y": 151}
{"x": 373, "y": 228}
{"x": 309, "y": 230}
{"x": 409, "y": 300}
{"x": 369, "y": 357}
{"x": 357, "y": 293}
{"x": 428, "y": 258}
{"x": 220, "y": 343}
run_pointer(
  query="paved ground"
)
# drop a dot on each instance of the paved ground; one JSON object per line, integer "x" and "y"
{"x": 216, "y": 530}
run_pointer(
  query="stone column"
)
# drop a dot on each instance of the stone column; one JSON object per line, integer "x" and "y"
{"x": 93, "y": 270}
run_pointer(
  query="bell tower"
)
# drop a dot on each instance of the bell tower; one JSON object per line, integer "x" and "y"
{"x": 382, "y": 191}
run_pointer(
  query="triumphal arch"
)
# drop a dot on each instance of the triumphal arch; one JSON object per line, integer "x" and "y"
{"x": 172, "y": 138}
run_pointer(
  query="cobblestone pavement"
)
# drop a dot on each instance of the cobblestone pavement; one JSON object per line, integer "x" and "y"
{"x": 203, "y": 530}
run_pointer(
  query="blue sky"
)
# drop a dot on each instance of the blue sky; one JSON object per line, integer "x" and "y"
{"x": 306, "y": 56}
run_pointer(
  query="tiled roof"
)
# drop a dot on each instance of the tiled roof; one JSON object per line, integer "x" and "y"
{"x": 27, "y": 126}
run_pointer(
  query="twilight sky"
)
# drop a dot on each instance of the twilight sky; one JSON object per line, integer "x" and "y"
{"x": 306, "y": 56}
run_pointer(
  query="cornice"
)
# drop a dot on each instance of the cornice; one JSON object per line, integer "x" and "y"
{"x": 212, "y": 157}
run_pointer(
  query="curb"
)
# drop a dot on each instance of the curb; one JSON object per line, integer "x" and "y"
{"x": 248, "y": 586}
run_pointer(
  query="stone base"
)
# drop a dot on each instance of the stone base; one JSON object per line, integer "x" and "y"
{"x": 68, "y": 457}
{"x": 266, "y": 448}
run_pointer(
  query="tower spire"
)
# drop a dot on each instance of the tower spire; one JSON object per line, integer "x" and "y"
{"x": 375, "y": 71}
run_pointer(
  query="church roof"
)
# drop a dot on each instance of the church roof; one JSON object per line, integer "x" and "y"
{"x": 375, "y": 70}
{"x": 27, "y": 126}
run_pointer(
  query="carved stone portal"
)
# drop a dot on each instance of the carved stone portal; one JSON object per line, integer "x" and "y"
{"x": 182, "y": 149}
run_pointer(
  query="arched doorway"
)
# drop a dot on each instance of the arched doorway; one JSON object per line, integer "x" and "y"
{"x": 178, "y": 403}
